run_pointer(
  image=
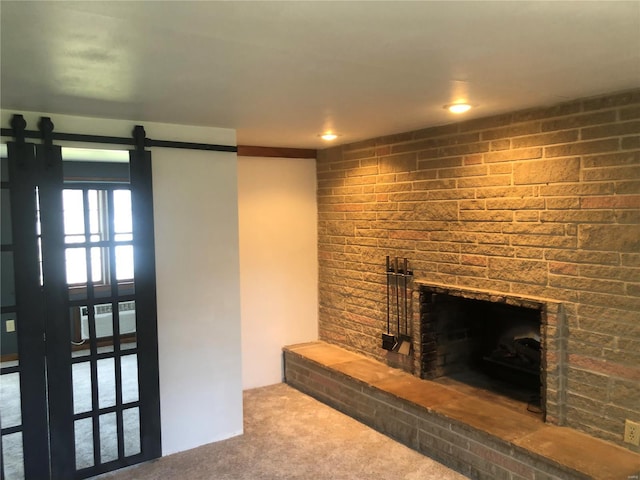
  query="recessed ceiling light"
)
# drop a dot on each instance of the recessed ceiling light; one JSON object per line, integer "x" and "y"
{"x": 328, "y": 136}
{"x": 458, "y": 107}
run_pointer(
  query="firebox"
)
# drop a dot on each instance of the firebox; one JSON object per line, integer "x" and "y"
{"x": 486, "y": 341}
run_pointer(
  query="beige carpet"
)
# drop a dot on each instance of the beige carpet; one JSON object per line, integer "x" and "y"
{"x": 289, "y": 435}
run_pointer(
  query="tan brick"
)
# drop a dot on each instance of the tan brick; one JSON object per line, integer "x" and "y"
{"x": 578, "y": 216}
{"x": 455, "y": 150}
{"x": 488, "y": 250}
{"x": 422, "y": 196}
{"x": 526, "y": 216}
{"x": 582, "y": 148}
{"x": 577, "y": 189}
{"x": 492, "y": 238}
{"x": 578, "y": 121}
{"x": 613, "y": 313}
{"x": 497, "y": 145}
{"x": 562, "y": 268}
{"x": 480, "y": 182}
{"x": 438, "y": 211}
{"x": 486, "y": 216}
{"x": 530, "y": 252}
{"x": 361, "y": 171}
{"x": 368, "y": 180}
{"x": 510, "y": 155}
{"x": 465, "y": 171}
{"x": 587, "y": 284}
{"x": 534, "y": 229}
{"x": 568, "y": 203}
{"x": 629, "y": 143}
{"x": 515, "y": 204}
{"x": 626, "y": 274}
{"x": 473, "y": 159}
{"x": 610, "y": 130}
{"x": 440, "y": 163}
{"x": 501, "y": 169}
{"x": 627, "y": 188}
{"x": 397, "y": 163}
{"x": 511, "y": 131}
{"x": 612, "y": 173}
{"x": 611, "y": 159}
{"x": 543, "y": 139}
{"x": 630, "y": 113}
{"x": 619, "y": 238}
{"x": 515, "y": 192}
{"x": 544, "y": 241}
{"x": 630, "y": 259}
{"x": 527, "y": 271}
{"x": 620, "y": 301}
{"x": 547, "y": 171}
{"x": 618, "y": 201}
{"x": 345, "y": 165}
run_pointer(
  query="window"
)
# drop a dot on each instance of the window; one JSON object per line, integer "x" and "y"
{"x": 94, "y": 221}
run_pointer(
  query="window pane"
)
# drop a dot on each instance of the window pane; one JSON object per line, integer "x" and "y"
{"x": 10, "y": 414}
{"x": 124, "y": 262}
{"x": 79, "y": 325}
{"x": 81, "y": 375}
{"x": 83, "y": 430}
{"x": 7, "y": 284}
{"x": 96, "y": 202}
{"x": 76, "y": 260}
{"x": 96, "y": 264}
{"x": 9, "y": 335}
{"x": 128, "y": 326}
{"x": 122, "y": 210}
{"x": 12, "y": 456}
{"x": 108, "y": 438}
{"x": 73, "y": 212}
{"x": 106, "y": 383}
{"x": 131, "y": 420}
{"x": 129, "y": 369}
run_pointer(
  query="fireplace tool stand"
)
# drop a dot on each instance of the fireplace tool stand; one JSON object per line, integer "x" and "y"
{"x": 398, "y": 281}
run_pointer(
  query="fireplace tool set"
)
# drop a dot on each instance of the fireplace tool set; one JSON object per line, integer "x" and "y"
{"x": 398, "y": 280}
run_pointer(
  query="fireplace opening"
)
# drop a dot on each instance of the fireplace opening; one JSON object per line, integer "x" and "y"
{"x": 490, "y": 345}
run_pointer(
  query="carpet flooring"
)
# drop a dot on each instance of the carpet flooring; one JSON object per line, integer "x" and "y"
{"x": 289, "y": 435}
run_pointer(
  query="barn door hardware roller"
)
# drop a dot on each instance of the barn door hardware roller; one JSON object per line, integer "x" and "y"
{"x": 398, "y": 283}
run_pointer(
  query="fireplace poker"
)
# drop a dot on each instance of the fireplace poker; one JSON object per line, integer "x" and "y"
{"x": 405, "y": 339}
{"x": 397, "y": 285}
{"x": 388, "y": 340}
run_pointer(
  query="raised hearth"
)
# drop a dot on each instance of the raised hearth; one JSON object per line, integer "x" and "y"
{"x": 480, "y": 438}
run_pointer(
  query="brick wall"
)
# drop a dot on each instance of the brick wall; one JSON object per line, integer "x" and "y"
{"x": 542, "y": 203}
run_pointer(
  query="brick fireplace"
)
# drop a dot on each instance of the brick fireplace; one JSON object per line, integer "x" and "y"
{"x": 506, "y": 344}
{"x": 538, "y": 206}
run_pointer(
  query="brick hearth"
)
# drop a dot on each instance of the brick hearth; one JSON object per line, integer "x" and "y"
{"x": 478, "y": 437}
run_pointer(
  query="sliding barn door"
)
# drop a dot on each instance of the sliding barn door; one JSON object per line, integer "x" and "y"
{"x": 85, "y": 308}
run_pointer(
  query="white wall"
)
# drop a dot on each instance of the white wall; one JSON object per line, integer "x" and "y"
{"x": 196, "y": 222}
{"x": 278, "y": 262}
{"x": 197, "y": 263}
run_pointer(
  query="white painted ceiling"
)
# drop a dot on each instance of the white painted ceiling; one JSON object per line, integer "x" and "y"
{"x": 282, "y": 72}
